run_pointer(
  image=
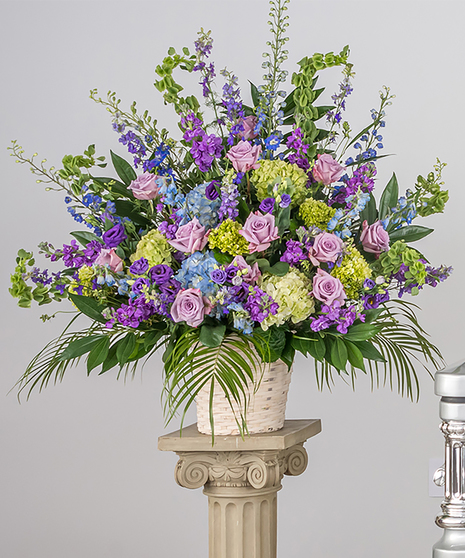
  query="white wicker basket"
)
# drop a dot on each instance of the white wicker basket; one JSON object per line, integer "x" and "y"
{"x": 266, "y": 408}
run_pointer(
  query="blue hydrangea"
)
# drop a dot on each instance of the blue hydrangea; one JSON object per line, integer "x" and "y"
{"x": 195, "y": 273}
{"x": 198, "y": 205}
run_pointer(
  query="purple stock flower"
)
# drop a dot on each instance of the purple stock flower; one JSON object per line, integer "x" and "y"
{"x": 260, "y": 305}
{"x": 114, "y": 236}
{"x": 92, "y": 250}
{"x": 267, "y": 205}
{"x": 139, "y": 267}
{"x": 294, "y": 253}
{"x": 160, "y": 274}
{"x": 334, "y": 315}
{"x": 72, "y": 256}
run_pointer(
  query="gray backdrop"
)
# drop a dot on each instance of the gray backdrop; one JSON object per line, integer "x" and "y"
{"x": 80, "y": 471}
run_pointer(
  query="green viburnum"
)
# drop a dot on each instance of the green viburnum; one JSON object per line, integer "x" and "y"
{"x": 316, "y": 213}
{"x": 389, "y": 263}
{"x": 154, "y": 248}
{"x": 291, "y": 292}
{"x": 277, "y": 177}
{"x": 352, "y": 272}
{"x": 227, "y": 239}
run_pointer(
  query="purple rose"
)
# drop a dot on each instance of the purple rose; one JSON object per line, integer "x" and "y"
{"x": 146, "y": 186}
{"x": 327, "y": 170}
{"x": 267, "y": 205}
{"x": 140, "y": 285}
{"x": 285, "y": 201}
{"x": 211, "y": 193}
{"x": 244, "y": 156}
{"x": 218, "y": 276}
{"x": 327, "y": 288}
{"x": 190, "y": 237}
{"x": 326, "y": 248}
{"x": 189, "y": 306}
{"x": 260, "y": 231}
{"x": 161, "y": 273}
{"x": 114, "y": 236}
{"x": 374, "y": 238}
{"x": 139, "y": 267}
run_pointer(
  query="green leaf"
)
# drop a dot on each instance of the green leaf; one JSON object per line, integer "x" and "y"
{"x": 283, "y": 220}
{"x": 88, "y": 306}
{"x": 372, "y": 315}
{"x": 84, "y": 237}
{"x": 98, "y": 354}
{"x": 389, "y": 197}
{"x": 270, "y": 343}
{"x": 354, "y": 354}
{"x": 369, "y": 351}
{"x": 115, "y": 186}
{"x": 318, "y": 349}
{"x": 111, "y": 361}
{"x": 126, "y": 209}
{"x": 369, "y": 212}
{"x": 125, "y": 348}
{"x": 255, "y": 94}
{"x": 123, "y": 169}
{"x": 361, "y": 332}
{"x": 288, "y": 354}
{"x": 222, "y": 258}
{"x": 409, "y": 233}
{"x": 80, "y": 347}
{"x": 212, "y": 336}
{"x": 279, "y": 268}
{"x": 302, "y": 344}
{"x": 339, "y": 353}
{"x": 323, "y": 110}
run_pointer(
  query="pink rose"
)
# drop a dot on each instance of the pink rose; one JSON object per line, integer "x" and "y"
{"x": 327, "y": 288}
{"x": 244, "y": 156}
{"x": 248, "y": 125}
{"x": 253, "y": 272}
{"x": 326, "y": 248}
{"x": 190, "y": 237}
{"x": 374, "y": 238}
{"x": 260, "y": 231}
{"x": 327, "y": 170}
{"x": 190, "y": 306}
{"x": 109, "y": 257}
{"x": 146, "y": 186}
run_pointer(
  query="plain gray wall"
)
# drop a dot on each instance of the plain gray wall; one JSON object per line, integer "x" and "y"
{"x": 80, "y": 472}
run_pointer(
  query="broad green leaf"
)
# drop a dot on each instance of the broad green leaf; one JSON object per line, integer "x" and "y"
{"x": 255, "y": 95}
{"x": 323, "y": 110}
{"x": 270, "y": 343}
{"x": 372, "y": 315}
{"x": 151, "y": 338}
{"x": 409, "y": 233}
{"x": 369, "y": 351}
{"x": 339, "y": 353}
{"x": 98, "y": 354}
{"x": 361, "y": 332}
{"x": 354, "y": 354}
{"x": 125, "y": 348}
{"x": 302, "y": 344}
{"x": 212, "y": 336}
{"x": 369, "y": 213}
{"x": 279, "y": 268}
{"x": 84, "y": 237}
{"x": 284, "y": 217}
{"x": 318, "y": 349}
{"x": 80, "y": 347}
{"x": 222, "y": 258}
{"x": 288, "y": 354}
{"x": 88, "y": 306}
{"x": 111, "y": 361}
{"x": 125, "y": 208}
{"x": 114, "y": 186}
{"x": 123, "y": 169}
{"x": 389, "y": 197}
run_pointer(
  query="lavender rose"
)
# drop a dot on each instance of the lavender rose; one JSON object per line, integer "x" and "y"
{"x": 244, "y": 156}
{"x": 145, "y": 186}
{"x": 139, "y": 267}
{"x": 109, "y": 258}
{"x": 327, "y": 170}
{"x": 326, "y": 248}
{"x": 327, "y": 288}
{"x": 160, "y": 274}
{"x": 211, "y": 193}
{"x": 218, "y": 276}
{"x": 260, "y": 231}
{"x": 253, "y": 272}
{"x": 248, "y": 127}
{"x": 189, "y": 306}
{"x": 114, "y": 236}
{"x": 267, "y": 205}
{"x": 190, "y": 237}
{"x": 374, "y": 238}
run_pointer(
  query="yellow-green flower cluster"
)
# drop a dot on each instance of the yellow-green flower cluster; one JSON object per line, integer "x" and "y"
{"x": 352, "y": 272}
{"x": 316, "y": 213}
{"x": 85, "y": 274}
{"x": 270, "y": 170}
{"x": 227, "y": 238}
{"x": 292, "y": 293}
{"x": 154, "y": 248}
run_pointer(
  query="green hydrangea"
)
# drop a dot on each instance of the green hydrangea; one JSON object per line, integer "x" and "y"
{"x": 227, "y": 239}
{"x": 316, "y": 213}
{"x": 352, "y": 272}
{"x": 292, "y": 293}
{"x": 288, "y": 179}
{"x": 154, "y": 248}
{"x": 389, "y": 263}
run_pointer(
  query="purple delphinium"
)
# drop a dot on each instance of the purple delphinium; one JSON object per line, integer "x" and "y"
{"x": 294, "y": 253}
{"x": 361, "y": 181}
{"x": 41, "y": 277}
{"x": 229, "y": 201}
{"x": 260, "y": 305}
{"x": 92, "y": 250}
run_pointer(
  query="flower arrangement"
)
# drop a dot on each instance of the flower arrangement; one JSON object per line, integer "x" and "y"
{"x": 255, "y": 231}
